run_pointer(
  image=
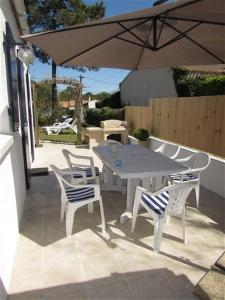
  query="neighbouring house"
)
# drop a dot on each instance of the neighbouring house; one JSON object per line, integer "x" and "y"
{"x": 140, "y": 86}
{"x": 92, "y": 103}
{"x": 70, "y": 104}
{"x": 16, "y": 134}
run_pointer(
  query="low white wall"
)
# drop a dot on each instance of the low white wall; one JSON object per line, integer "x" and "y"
{"x": 12, "y": 197}
{"x": 213, "y": 178}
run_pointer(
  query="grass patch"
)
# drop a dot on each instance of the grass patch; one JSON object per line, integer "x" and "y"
{"x": 67, "y": 136}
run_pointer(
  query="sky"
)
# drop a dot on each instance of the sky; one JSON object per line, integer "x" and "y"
{"x": 105, "y": 79}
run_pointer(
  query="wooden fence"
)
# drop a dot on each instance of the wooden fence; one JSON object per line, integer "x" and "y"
{"x": 197, "y": 122}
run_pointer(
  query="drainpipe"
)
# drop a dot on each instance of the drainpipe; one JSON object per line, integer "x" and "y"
{"x": 20, "y": 15}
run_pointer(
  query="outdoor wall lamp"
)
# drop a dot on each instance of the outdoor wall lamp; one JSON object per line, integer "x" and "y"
{"x": 26, "y": 54}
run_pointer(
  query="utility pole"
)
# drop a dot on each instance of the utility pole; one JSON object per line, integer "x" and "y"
{"x": 78, "y": 103}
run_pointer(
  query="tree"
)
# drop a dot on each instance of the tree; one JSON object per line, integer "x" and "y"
{"x": 43, "y": 96}
{"x": 102, "y": 96}
{"x": 67, "y": 94}
{"x": 45, "y": 15}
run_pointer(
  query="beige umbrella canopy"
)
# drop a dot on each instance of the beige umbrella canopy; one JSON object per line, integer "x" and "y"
{"x": 185, "y": 32}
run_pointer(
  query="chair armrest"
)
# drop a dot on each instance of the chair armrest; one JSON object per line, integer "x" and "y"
{"x": 70, "y": 173}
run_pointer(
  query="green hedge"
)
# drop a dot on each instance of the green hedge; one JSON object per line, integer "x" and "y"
{"x": 190, "y": 87}
{"x": 94, "y": 116}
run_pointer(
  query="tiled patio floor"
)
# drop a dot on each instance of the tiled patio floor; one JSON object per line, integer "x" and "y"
{"x": 121, "y": 265}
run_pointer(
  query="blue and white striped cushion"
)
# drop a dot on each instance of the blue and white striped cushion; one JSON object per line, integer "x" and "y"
{"x": 182, "y": 177}
{"x": 88, "y": 172}
{"x": 157, "y": 203}
{"x": 79, "y": 194}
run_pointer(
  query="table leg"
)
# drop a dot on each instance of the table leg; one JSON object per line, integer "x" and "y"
{"x": 131, "y": 187}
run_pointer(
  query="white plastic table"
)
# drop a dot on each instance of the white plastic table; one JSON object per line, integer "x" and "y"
{"x": 137, "y": 163}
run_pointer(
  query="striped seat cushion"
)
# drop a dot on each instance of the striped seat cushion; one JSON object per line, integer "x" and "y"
{"x": 183, "y": 177}
{"x": 157, "y": 203}
{"x": 88, "y": 172}
{"x": 79, "y": 194}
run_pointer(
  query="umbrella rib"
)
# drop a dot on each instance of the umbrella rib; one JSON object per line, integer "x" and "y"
{"x": 196, "y": 43}
{"x": 132, "y": 42}
{"x": 142, "y": 50}
{"x": 100, "y": 43}
{"x": 133, "y": 34}
{"x": 195, "y": 20}
{"x": 161, "y": 27}
{"x": 178, "y": 37}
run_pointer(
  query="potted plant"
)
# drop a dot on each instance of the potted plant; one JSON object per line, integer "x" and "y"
{"x": 142, "y": 135}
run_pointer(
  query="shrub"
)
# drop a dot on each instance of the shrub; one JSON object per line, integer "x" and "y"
{"x": 94, "y": 116}
{"x": 141, "y": 134}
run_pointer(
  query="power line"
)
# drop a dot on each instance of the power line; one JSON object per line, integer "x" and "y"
{"x": 99, "y": 80}
{"x": 85, "y": 77}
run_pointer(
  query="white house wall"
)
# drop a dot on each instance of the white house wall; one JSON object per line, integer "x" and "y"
{"x": 13, "y": 192}
{"x": 140, "y": 86}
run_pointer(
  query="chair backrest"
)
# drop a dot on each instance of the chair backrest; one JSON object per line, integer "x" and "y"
{"x": 161, "y": 148}
{"x": 67, "y": 154}
{"x": 109, "y": 142}
{"x": 168, "y": 150}
{"x": 178, "y": 194}
{"x": 200, "y": 160}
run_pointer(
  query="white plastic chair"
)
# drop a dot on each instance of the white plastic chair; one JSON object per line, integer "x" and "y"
{"x": 169, "y": 150}
{"x": 164, "y": 203}
{"x": 91, "y": 172}
{"x": 74, "y": 196}
{"x": 56, "y": 128}
{"x": 197, "y": 163}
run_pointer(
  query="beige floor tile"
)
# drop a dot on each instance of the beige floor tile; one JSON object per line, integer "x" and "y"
{"x": 100, "y": 266}
{"x": 91, "y": 242}
{"x": 106, "y": 289}
{"x": 26, "y": 279}
{"x": 27, "y": 295}
{"x": 151, "y": 285}
{"x": 62, "y": 272}
{"x": 74, "y": 291}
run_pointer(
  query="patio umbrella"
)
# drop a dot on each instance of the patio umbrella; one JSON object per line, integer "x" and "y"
{"x": 185, "y": 32}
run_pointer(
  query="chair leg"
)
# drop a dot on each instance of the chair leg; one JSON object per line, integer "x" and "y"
{"x": 184, "y": 225}
{"x": 135, "y": 212}
{"x": 63, "y": 208}
{"x": 97, "y": 180}
{"x": 90, "y": 208}
{"x": 69, "y": 219}
{"x": 102, "y": 215}
{"x": 197, "y": 193}
{"x": 158, "y": 230}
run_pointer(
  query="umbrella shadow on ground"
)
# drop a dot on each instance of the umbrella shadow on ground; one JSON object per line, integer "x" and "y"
{"x": 159, "y": 283}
